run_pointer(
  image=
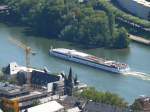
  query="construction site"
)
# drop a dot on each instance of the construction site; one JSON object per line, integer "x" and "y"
{"x": 32, "y": 86}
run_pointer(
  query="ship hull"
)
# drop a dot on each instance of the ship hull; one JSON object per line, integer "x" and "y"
{"x": 88, "y": 63}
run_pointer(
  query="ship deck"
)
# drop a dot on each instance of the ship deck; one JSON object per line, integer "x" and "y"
{"x": 91, "y": 58}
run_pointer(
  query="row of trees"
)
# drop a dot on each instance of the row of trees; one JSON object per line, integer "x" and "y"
{"x": 103, "y": 97}
{"x": 133, "y": 24}
{"x": 90, "y": 94}
{"x": 122, "y": 14}
{"x": 69, "y": 20}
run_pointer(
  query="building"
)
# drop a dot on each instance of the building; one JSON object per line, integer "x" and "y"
{"x": 52, "y": 106}
{"x": 4, "y": 9}
{"x": 143, "y": 104}
{"x": 75, "y": 109}
{"x": 40, "y": 78}
{"x": 8, "y": 105}
{"x": 53, "y": 83}
{"x": 58, "y": 88}
{"x": 83, "y": 1}
{"x": 17, "y": 97}
{"x": 100, "y": 107}
{"x": 71, "y": 103}
{"x": 25, "y": 101}
{"x": 22, "y": 97}
{"x": 13, "y": 68}
{"x": 1, "y": 110}
{"x": 44, "y": 87}
{"x": 140, "y": 8}
{"x": 10, "y": 91}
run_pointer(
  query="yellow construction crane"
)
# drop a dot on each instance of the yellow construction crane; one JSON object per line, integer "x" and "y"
{"x": 28, "y": 51}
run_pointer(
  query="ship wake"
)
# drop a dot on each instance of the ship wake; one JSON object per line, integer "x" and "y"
{"x": 140, "y": 75}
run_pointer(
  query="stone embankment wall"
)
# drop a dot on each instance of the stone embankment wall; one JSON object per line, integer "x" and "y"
{"x": 140, "y": 8}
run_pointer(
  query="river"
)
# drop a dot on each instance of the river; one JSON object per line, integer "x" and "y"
{"x": 128, "y": 86}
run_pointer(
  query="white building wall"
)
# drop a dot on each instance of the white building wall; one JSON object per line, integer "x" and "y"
{"x": 136, "y": 7}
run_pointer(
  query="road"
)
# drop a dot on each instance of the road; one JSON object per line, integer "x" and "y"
{"x": 139, "y": 39}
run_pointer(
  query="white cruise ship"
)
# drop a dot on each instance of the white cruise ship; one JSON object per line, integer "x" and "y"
{"x": 90, "y": 60}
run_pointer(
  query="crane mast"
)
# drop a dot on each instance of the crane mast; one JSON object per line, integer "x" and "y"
{"x": 28, "y": 51}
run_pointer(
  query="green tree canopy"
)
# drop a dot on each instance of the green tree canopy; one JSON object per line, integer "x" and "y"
{"x": 69, "y": 20}
{"x": 103, "y": 97}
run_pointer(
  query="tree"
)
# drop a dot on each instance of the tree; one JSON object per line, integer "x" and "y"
{"x": 2, "y": 1}
{"x": 136, "y": 106}
{"x": 103, "y": 97}
{"x": 122, "y": 40}
{"x": 91, "y": 30}
{"x": 111, "y": 19}
{"x": 35, "y": 102}
{"x": 12, "y": 80}
{"x": 69, "y": 20}
{"x": 6, "y": 70}
{"x": 2, "y": 77}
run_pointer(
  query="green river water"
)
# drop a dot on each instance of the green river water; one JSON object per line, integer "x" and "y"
{"x": 129, "y": 86}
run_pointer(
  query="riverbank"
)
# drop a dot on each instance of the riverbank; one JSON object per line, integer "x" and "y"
{"x": 70, "y": 21}
{"x": 126, "y": 16}
{"x": 140, "y": 39}
{"x": 133, "y": 24}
